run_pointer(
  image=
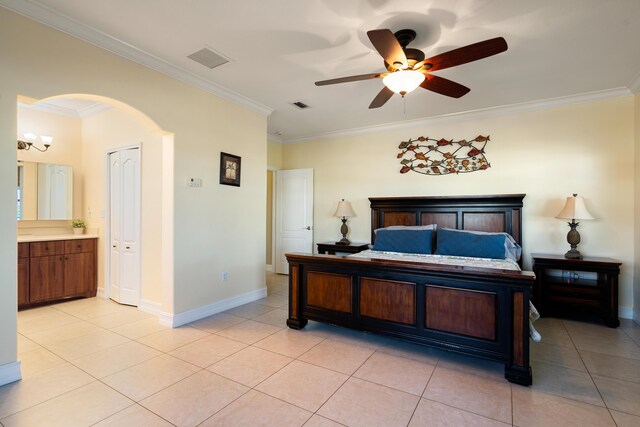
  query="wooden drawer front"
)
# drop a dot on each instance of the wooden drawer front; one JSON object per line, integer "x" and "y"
{"x": 23, "y": 250}
{"x": 388, "y": 300}
{"x": 330, "y": 291}
{"x": 47, "y": 248}
{"x": 471, "y": 313}
{"x": 78, "y": 246}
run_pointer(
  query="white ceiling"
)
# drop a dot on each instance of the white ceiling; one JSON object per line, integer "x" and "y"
{"x": 279, "y": 48}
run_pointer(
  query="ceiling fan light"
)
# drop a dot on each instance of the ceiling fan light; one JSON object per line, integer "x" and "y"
{"x": 403, "y": 81}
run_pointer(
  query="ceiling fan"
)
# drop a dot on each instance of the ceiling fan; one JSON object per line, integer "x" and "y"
{"x": 408, "y": 69}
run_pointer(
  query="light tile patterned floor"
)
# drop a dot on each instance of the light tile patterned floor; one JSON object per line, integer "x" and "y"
{"x": 93, "y": 362}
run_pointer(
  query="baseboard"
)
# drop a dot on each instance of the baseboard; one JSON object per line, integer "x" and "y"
{"x": 149, "y": 306}
{"x": 10, "y": 372}
{"x": 625, "y": 312}
{"x": 269, "y": 268}
{"x": 179, "y": 319}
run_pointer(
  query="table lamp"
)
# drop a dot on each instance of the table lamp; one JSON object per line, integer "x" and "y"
{"x": 345, "y": 211}
{"x": 574, "y": 208}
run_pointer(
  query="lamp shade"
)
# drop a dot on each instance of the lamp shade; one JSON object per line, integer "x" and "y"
{"x": 574, "y": 208}
{"x": 344, "y": 209}
{"x": 403, "y": 81}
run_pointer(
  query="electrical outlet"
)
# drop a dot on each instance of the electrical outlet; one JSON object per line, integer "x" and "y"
{"x": 225, "y": 276}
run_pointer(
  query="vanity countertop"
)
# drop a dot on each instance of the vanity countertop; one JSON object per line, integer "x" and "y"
{"x": 23, "y": 238}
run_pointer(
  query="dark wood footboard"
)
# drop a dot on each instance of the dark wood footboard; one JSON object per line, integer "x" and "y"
{"x": 475, "y": 311}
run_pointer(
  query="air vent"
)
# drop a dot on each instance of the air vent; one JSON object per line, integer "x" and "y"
{"x": 301, "y": 105}
{"x": 208, "y": 58}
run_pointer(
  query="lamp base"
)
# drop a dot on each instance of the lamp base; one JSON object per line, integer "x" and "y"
{"x": 573, "y": 254}
{"x": 344, "y": 230}
{"x": 573, "y": 238}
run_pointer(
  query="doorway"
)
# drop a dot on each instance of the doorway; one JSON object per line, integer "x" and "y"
{"x": 294, "y": 215}
{"x": 123, "y": 225}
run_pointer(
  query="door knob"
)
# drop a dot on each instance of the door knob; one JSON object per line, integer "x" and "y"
{"x": 308, "y": 227}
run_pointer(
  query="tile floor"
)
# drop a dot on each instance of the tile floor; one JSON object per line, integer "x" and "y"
{"x": 94, "y": 362}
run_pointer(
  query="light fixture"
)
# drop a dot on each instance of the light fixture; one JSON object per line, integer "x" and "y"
{"x": 403, "y": 81}
{"x": 30, "y": 140}
{"x": 345, "y": 211}
{"x": 574, "y": 208}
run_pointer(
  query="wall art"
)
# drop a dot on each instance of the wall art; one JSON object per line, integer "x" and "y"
{"x": 430, "y": 156}
{"x": 229, "y": 169}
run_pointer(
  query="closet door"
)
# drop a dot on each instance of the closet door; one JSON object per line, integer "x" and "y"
{"x": 115, "y": 207}
{"x": 125, "y": 226}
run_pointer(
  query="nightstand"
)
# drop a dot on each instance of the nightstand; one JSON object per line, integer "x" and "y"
{"x": 588, "y": 285}
{"x": 331, "y": 248}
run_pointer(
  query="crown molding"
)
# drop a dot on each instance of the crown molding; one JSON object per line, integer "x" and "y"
{"x": 68, "y": 25}
{"x": 275, "y": 138}
{"x": 51, "y": 109}
{"x": 96, "y": 108}
{"x": 473, "y": 114}
{"x": 83, "y": 113}
{"x": 634, "y": 84}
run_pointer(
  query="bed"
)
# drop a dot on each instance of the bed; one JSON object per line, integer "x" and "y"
{"x": 467, "y": 309}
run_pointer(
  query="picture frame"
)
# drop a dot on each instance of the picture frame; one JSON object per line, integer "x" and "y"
{"x": 229, "y": 169}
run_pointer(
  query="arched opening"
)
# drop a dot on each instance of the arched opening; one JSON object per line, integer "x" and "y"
{"x": 101, "y": 125}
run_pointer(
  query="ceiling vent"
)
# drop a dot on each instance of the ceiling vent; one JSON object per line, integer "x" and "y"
{"x": 208, "y": 58}
{"x": 301, "y": 105}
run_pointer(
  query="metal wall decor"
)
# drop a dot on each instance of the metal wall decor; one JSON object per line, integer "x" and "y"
{"x": 430, "y": 156}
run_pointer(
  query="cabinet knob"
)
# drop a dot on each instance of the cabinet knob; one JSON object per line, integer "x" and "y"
{"x": 128, "y": 247}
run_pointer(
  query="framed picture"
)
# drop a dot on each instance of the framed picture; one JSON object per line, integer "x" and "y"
{"x": 229, "y": 169}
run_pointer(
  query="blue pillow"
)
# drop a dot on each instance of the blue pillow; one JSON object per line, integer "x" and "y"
{"x": 406, "y": 241}
{"x": 464, "y": 243}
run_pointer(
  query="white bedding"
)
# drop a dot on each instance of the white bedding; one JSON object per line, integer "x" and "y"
{"x": 501, "y": 264}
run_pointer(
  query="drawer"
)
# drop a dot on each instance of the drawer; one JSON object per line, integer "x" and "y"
{"x": 78, "y": 245}
{"x": 564, "y": 302}
{"x": 47, "y": 248}
{"x": 23, "y": 250}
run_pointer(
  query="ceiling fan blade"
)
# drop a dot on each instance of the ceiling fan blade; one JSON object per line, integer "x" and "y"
{"x": 388, "y": 47}
{"x": 381, "y": 98}
{"x": 470, "y": 53}
{"x": 444, "y": 86}
{"x": 349, "y": 79}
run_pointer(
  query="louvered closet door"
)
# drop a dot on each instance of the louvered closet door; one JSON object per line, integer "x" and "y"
{"x": 125, "y": 226}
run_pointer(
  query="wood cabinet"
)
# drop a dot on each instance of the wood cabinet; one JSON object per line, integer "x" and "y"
{"x": 23, "y": 273}
{"x": 56, "y": 269}
{"x": 565, "y": 286}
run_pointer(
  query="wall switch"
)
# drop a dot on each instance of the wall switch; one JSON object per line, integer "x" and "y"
{"x": 225, "y": 276}
{"x": 194, "y": 182}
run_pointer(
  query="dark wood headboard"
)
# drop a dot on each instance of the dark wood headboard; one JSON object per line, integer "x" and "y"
{"x": 495, "y": 213}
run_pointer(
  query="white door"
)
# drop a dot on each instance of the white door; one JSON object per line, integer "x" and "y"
{"x": 124, "y": 223}
{"x": 294, "y": 214}
{"x": 114, "y": 225}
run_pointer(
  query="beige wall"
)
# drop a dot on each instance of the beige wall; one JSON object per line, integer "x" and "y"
{"x": 636, "y": 276}
{"x": 274, "y": 154}
{"x": 65, "y": 150}
{"x": 269, "y": 223}
{"x": 274, "y": 162}
{"x": 215, "y": 228}
{"x": 546, "y": 154}
{"x": 102, "y": 133}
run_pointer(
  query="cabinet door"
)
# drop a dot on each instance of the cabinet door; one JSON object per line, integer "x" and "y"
{"x": 23, "y": 281}
{"x": 46, "y": 278}
{"x": 79, "y": 274}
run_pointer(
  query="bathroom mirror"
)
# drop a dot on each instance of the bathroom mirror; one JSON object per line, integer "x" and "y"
{"x": 45, "y": 191}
